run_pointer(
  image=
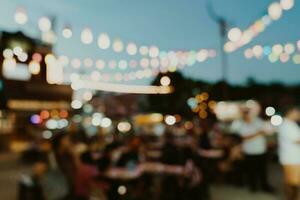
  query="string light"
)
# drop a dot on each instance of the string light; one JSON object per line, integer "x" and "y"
{"x": 287, "y": 4}
{"x": 275, "y": 12}
{"x": 21, "y": 16}
{"x": 153, "y": 51}
{"x": 76, "y": 63}
{"x": 173, "y": 61}
{"x": 123, "y": 88}
{"x": 88, "y": 62}
{"x": 118, "y": 45}
{"x": 123, "y": 64}
{"x": 54, "y": 70}
{"x": 234, "y": 34}
{"x": 144, "y": 50}
{"x": 87, "y": 36}
{"x": 282, "y": 52}
{"x": 67, "y": 32}
{"x": 296, "y": 59}
{"x": 131, "y": 49}
{"x": 44, "y": 24}
{"x": 103, "y": 41}
{"x": 100, "y": 64}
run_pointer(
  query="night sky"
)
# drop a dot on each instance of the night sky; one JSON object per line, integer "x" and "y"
{"x": 169, "y": 24}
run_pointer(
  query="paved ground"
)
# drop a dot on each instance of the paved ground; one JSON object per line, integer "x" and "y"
{"x": 232, "y": 193}
{"x": 10, "y": 172}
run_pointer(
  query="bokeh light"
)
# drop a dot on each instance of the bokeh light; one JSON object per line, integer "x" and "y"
{"x": 131, "y": 49}
{"x": 124, "y": 127}
{"x": 21, "y": 16}
{"x": 86, "y": 36}
{"x": 67, "y": 32}
{"x": 275, "y": 11}
{"x": 287, "y": 4}
{"x": 118, "y": 45}
{"x": 276, "y": 120}
{"x": 103, "y": 41}
{"x": 34, "y": 67}
{"x": 106, "y": 122}
{"x": 234, "y": 34}
{"x": 170, "y": 120}
{"x": 45, "y": 24}
{"x": 76, "y": 104}
{"x": 270, "y": 111}
{"x": 165, "y": 81}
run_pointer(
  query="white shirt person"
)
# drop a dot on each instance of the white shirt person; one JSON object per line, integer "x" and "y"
{"x": 255, "y": 145}
{"x": 289, "y": 146}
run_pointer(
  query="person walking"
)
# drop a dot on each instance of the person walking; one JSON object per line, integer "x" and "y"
{"x": 289, "y": 152}
{"x": 254, "y": 147}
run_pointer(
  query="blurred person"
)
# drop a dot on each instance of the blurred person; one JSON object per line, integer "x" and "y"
{"x": 231, "y": 165}
{"x": 130, "y": 156}
{"x": 85, "y": 174}
{"x": 169, "y": 150}
{"x": 105, "y": 187}
{"x": 170, "y": 183}
{"x": 194, "y": 186}
{"x": 31, "y": 186}
{"x": 65, "y": 160}
{"x": 209, "y": 150}
{"x": 254, "y": 147}
{"x": 289, "y": 151}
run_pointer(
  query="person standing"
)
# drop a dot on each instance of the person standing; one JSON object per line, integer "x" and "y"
{"x": 289, "y": 151}
{"x": 254, "y": 148}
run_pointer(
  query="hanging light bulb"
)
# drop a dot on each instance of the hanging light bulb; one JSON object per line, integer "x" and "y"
{"x": 45, "y": 24}
{"x": 118, "y": 45}
{"x": 287, "y": 4}
{"x": 67, "y": 32}
{"x": 234, "y": 34}
{"x": 131, "y": 49}
{"x": 21, "y": 16}
{"x": 275, "y": 11}
{"x": 153, "y": 51}
{"x": 103, "y": 41}
{"x": 86, "y": 36}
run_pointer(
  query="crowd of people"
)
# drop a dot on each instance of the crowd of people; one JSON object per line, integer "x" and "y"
{"x": 181, "y": 164}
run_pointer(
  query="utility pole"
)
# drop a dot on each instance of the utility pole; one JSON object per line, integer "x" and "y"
{"x": 222, "y": 23}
